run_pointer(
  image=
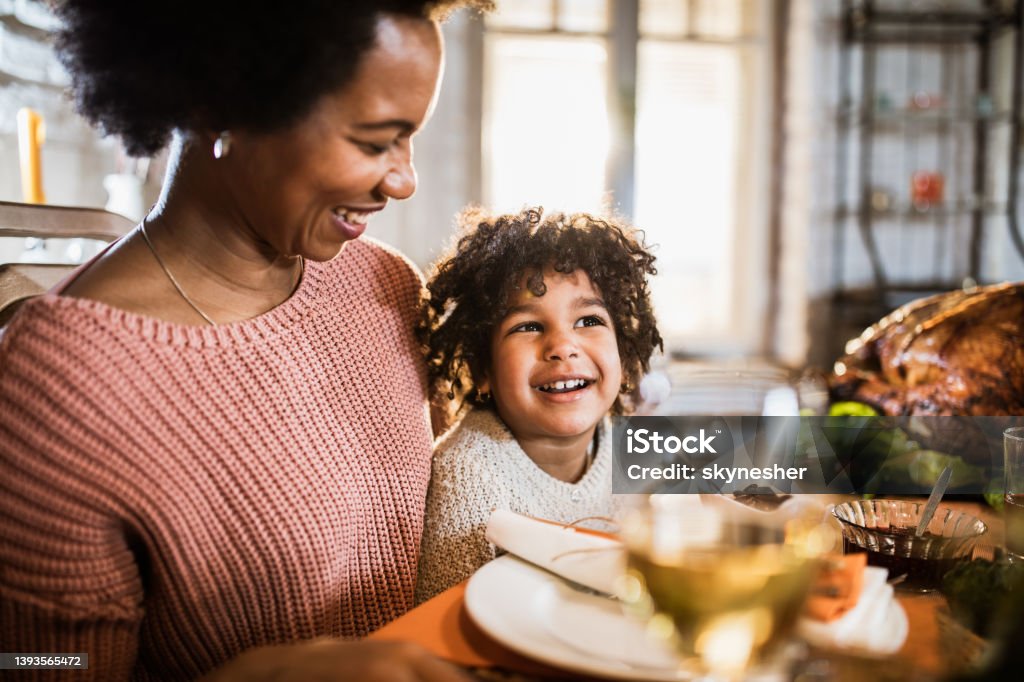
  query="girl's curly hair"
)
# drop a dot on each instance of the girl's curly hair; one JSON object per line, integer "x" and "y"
{"x": 140, "y": 70}
{"x": 470, "y": 287}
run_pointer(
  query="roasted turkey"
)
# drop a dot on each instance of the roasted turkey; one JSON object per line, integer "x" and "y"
{"x": 956, "y": 353}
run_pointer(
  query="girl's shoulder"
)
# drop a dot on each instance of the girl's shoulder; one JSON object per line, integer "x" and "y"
{"x": 478, "y": 448}
{"x": 471, "y": 469}
{"x": 478, "y": 431}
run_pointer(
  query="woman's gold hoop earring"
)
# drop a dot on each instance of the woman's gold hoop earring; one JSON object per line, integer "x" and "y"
{"x": 222, "y": 145}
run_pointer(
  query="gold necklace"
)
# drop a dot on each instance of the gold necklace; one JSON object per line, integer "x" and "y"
{"x": 177, "y": 287}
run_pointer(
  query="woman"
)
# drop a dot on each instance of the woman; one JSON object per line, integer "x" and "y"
{"x": 214, "y": 440}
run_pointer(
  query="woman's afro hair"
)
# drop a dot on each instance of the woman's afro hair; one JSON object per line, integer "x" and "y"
{"x": 142, "y": 69}
{"x": 470, "y": 288}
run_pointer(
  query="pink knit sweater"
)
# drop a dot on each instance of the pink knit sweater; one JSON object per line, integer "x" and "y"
{"x": 173, "y": 495}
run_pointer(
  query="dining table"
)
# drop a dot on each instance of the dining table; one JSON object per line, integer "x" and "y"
{"x": 934, "y": 648}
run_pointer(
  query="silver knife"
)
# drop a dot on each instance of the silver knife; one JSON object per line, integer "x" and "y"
{"x": 933, "y": 501}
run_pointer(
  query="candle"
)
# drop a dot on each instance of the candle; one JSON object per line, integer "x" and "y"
{"x": 31, "y": 135}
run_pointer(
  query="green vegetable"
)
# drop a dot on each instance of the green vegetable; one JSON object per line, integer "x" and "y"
{"x": 976, "y": 591}
{"x": 886, "y": 457}
{"x": 995, "y": 500}
{"x": 850, "y": 408}
{"x": 926, "y": 466}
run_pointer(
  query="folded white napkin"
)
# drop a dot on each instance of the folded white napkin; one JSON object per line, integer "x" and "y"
{"x": 876, "y": 624}
{"x": 590, "y": 560}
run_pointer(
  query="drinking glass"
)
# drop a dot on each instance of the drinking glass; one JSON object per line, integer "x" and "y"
{"x": 699, "y": 389}
{"x": 725, "y": 590}
{"x": 1013, "y": 466}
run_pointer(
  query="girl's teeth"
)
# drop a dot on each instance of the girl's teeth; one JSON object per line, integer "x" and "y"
{"x": 563, "y": 385}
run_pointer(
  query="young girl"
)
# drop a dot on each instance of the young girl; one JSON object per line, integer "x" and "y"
{"x": 543, "y": 323}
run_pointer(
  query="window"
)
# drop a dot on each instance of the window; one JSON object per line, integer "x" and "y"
{"x": 547, "y": 137}
{"x": 546, "y": 105}
{"x": 692, "y": 77}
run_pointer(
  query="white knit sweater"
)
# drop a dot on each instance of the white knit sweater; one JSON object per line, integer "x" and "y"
{"x": 478, "y": 467}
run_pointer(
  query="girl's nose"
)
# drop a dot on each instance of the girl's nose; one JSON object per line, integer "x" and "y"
{"x": 561, "y": 347}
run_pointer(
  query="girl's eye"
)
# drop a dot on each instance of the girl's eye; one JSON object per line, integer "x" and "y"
{"x": 527, "y": 327}
{"x": 590, "y": 321}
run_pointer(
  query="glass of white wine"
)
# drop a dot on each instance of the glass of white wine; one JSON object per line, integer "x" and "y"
{"x": 725, "y": 591}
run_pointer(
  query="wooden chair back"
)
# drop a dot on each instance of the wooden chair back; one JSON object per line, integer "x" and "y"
{"x": 21, "y": 281}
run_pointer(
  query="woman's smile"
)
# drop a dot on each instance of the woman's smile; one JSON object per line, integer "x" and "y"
{"x": 350, "y": 222}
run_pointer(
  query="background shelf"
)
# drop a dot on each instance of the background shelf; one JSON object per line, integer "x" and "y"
{"x": 962, "y": 63}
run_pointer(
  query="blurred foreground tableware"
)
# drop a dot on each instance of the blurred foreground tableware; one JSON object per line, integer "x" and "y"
{"x": 743, "y": 390}
{"x": 778, "y": 509}
{"x": 1013, "y": 452}
{"x": 512, "y": 607}
{"x": 725, "y": 589}
{"x": 885, "y": 530}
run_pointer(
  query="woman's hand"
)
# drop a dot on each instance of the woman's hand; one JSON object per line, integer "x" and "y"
{"x": 330, "y": 660}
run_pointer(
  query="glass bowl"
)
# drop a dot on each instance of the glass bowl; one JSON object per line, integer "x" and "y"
{"x": 885, "y": 530}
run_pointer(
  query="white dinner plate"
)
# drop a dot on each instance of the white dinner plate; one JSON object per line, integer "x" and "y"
{"x": 538, "y": 615}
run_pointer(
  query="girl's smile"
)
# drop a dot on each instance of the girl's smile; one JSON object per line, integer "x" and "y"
{"x": 566, "y": 385}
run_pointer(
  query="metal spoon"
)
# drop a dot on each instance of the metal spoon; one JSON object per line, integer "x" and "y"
{"x": 933, "y": 501}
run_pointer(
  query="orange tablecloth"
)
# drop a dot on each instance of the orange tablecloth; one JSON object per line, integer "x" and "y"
{"x": 443, "y": 627}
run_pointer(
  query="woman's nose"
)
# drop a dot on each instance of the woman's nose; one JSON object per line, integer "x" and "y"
{"x": 400, "y": 180}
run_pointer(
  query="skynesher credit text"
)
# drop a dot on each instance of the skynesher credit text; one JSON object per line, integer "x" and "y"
{"x": 714, "y": 472}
